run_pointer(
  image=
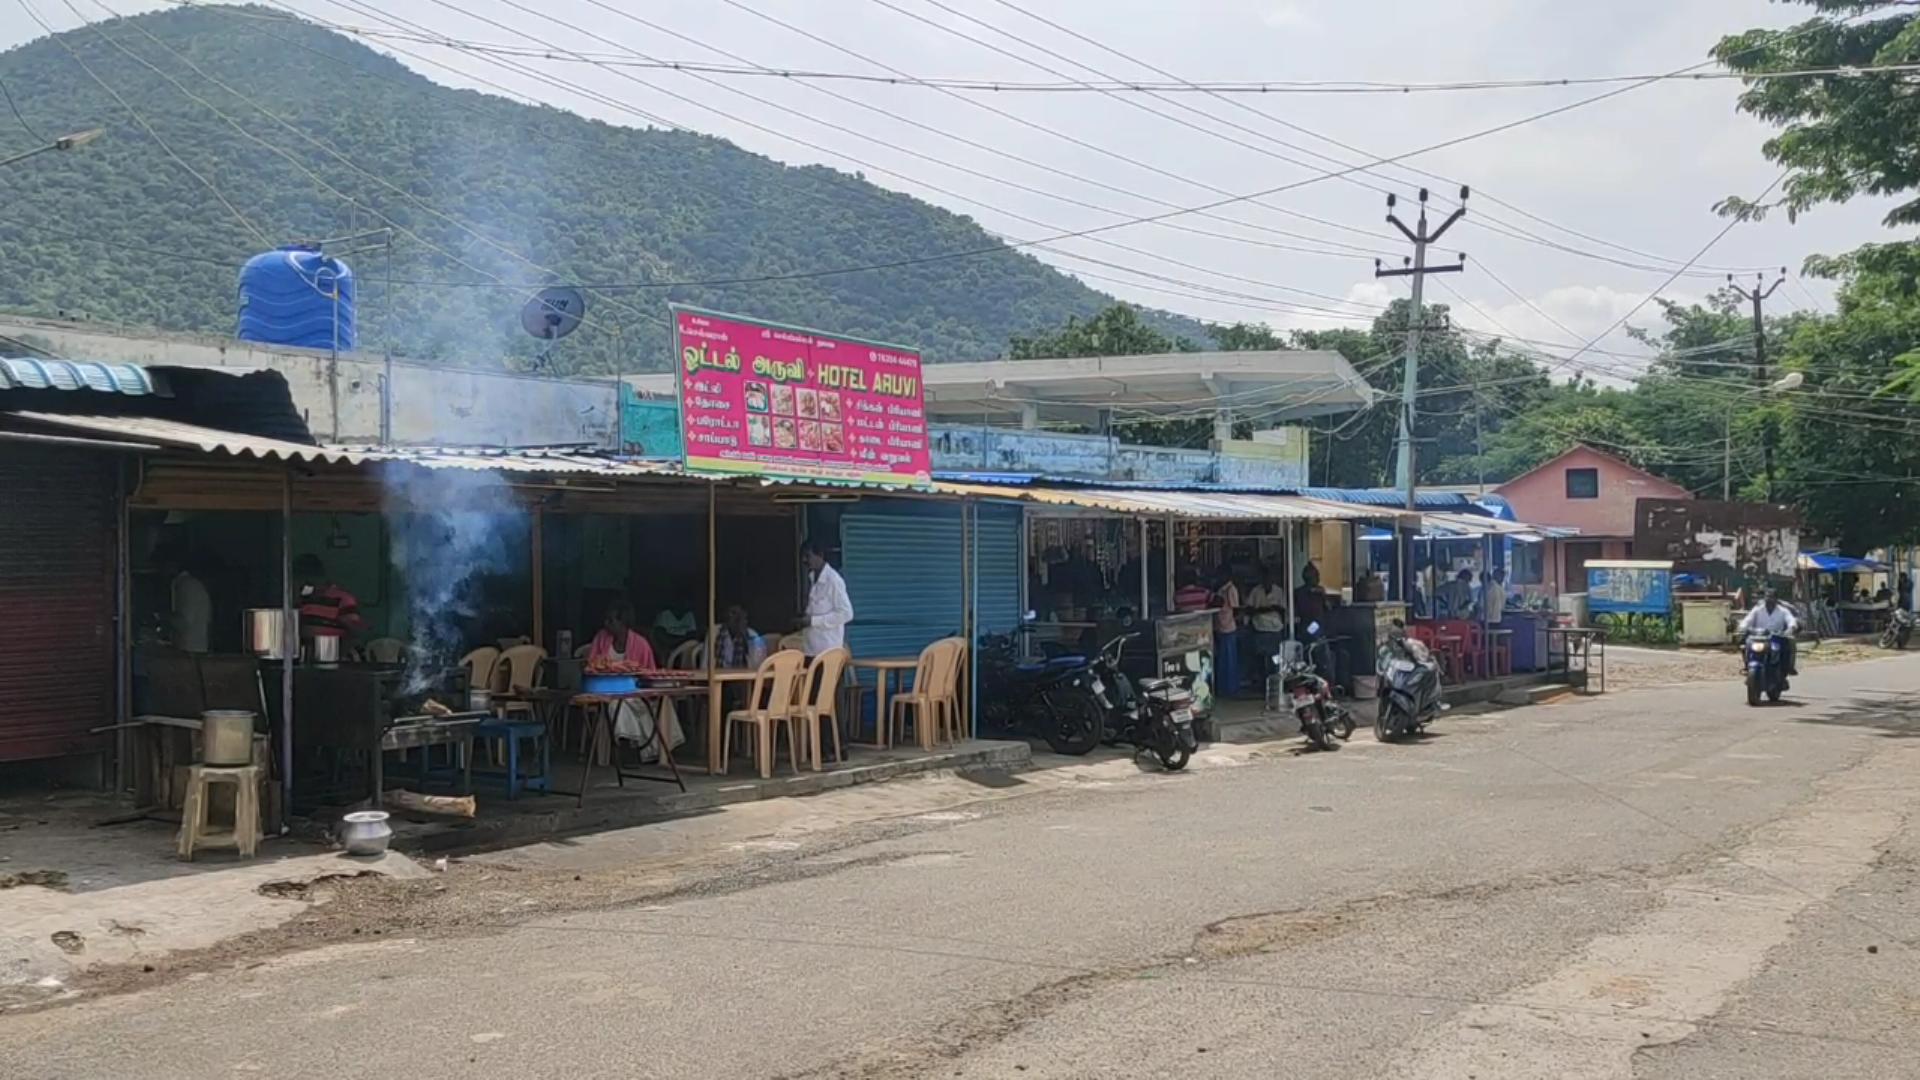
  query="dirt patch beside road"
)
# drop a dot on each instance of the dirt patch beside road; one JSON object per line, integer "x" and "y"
{"x": 1634, "y": 667}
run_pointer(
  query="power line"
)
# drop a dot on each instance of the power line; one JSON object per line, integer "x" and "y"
{"x": 1141, "y": 86}
{"x": 245, "y": 222}
{"x": 1350, "y": 249}
{"x": 1484, "y": 221}
{"x": 8, "y": 94}
{"x": 910, "y": 179}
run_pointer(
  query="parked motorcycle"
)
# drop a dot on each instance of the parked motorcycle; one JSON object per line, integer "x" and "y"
{"x": 1766, "y": 663}
{"x": 1409, "y": 687}
{"x": 1155, "y": 716}
{"x": 1899, "y": 629}
{"x": 1051, "y": 698}
{"x": 1298, "y": 685}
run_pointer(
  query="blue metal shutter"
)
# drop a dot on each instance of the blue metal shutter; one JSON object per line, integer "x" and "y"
{"x": 998, "y": 540}
{"x": 902, "y": 565}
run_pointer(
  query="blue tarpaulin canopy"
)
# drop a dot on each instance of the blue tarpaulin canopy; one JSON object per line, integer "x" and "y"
{"x": 1828, "y": 562}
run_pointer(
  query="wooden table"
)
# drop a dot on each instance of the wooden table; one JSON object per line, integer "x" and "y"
{"x": 599, "y": 709}
{"x": 885, "y": 669}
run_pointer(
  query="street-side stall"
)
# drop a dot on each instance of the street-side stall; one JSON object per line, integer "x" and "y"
{"x": 1843, "y": 594}
{"x": 1099, "y": 557}
{"x": 1478, "y": 596}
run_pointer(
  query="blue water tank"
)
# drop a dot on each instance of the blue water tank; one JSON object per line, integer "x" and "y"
{"x": 297, "y": 296}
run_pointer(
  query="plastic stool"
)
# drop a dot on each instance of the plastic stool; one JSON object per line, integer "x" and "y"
{"x": 245, "y": 834}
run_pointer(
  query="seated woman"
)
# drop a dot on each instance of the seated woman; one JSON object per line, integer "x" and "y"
{"x": 633, "y": 720}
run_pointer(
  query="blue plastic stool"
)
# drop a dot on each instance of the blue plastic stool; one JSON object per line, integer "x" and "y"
{"x": 512, "y": 732}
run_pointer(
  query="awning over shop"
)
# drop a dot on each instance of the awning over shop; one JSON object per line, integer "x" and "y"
{"x": 1444, "y": 526}
{"x": 1466, "y": 525}
{"x": 1216, "y": 505}
{"x": 1827, "y": 562}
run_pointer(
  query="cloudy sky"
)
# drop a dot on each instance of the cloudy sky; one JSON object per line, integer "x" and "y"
{"x": 1637, "y": 173}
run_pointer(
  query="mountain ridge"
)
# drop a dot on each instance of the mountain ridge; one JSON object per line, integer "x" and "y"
{"x": 474, "y": 174}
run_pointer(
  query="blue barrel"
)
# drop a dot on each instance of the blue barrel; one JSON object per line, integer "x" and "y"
{"x": 296, "y": 296}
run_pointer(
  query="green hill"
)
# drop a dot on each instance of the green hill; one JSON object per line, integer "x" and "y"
{"x": 120, "y": 231}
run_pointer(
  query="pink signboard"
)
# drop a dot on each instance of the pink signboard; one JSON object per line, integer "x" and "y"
{"x": 758, "y": 397}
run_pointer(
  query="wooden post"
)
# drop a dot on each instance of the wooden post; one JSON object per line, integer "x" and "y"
{"x": 289, "y": 643}
{"x": 969, "y": 548}
{"x": 1167, "y": 537}
{"x": 1144, "y": 539}
{"x": 539, "y": 578}
{"x": 713, "y": 574}
{"x": 1286, "y": 564}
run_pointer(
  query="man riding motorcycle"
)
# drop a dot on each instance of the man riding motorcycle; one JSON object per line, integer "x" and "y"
{"x": 1770, "y": 616}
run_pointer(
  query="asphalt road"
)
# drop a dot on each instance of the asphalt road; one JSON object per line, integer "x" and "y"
{"x": 1660, "y": 884}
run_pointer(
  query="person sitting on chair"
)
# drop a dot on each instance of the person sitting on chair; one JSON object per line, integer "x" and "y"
{"x": 633, "y": 720}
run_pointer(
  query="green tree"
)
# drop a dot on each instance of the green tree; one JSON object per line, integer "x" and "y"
{"x": 1843, "y": 134}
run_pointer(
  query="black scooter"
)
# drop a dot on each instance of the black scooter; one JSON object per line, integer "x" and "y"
{"x": 1051, "y": 698}
{"x": 1156, "y": 716}
{"x": 1409, "y": 687}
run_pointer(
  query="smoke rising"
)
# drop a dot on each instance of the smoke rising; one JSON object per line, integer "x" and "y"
{"x": 452, "y": 530}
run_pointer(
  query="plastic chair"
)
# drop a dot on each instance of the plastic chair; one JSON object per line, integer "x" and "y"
{"x": 819, "y": 697}
{"x": 386, "y": 650}
{"x": 935, "y": 679}
{"x": 947, "y": 715}
{"x": 769, "y": 705}
{"x": 686, "y": 656}
{"x": 480, "y": 664}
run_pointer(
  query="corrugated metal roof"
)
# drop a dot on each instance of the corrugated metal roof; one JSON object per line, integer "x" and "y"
{"x": 192, "y": 436}
{"x": 29, "y": 373}
{"x": 1187, "y": 504}
{"x": 1424, "y": 500}
{"x": 1480, "y": 525}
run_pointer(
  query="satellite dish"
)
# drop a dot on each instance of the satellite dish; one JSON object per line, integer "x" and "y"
{"x": 554, "y": 312}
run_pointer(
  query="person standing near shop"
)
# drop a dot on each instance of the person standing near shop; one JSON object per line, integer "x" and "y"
{"x": 829, "y": 609}
{"x": 1493, "y": 595}
{"x": 326, "y": 609}
{"x": 190, "y": 606}
{"x": 1267, "y": 611}
{"x": 1226, "y": 633}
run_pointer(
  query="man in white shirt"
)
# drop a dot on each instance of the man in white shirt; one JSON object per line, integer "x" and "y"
{"x": 1770, "y": 616}
{"x": 829, "y": 609}
{"x": 192, "y": 612}
{"x": 1266, "y": 611}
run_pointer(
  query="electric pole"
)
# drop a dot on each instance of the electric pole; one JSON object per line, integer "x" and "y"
{"x": 1757, "y": 297}
{"x": 1416, "y": 268}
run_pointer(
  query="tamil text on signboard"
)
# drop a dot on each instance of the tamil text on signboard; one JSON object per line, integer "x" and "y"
{"x": 758, "y": 397}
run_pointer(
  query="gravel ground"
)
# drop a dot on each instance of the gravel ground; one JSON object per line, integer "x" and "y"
{"x": 1633, "y": 667}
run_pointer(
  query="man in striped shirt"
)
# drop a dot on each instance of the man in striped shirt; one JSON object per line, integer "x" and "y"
{"x": 326, "y": 609}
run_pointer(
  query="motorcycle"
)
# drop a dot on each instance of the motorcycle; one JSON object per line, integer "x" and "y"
{"x": 1297, "y": 684}
{"x": 1898, "y": 630}
{"x": 1409, "y": 687}
{"x": 1766, "y": 664}
{"x": 1156, "y": 716}
{"x": 1051, "y": 698}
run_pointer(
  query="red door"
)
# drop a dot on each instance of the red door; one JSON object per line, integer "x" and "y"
{"x": 57, "y": 585}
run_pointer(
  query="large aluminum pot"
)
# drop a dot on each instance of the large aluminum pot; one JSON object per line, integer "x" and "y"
{"x": 326, "y": 649}
{"x": 263, "y": 631}
{"x": 226, "y": 737}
